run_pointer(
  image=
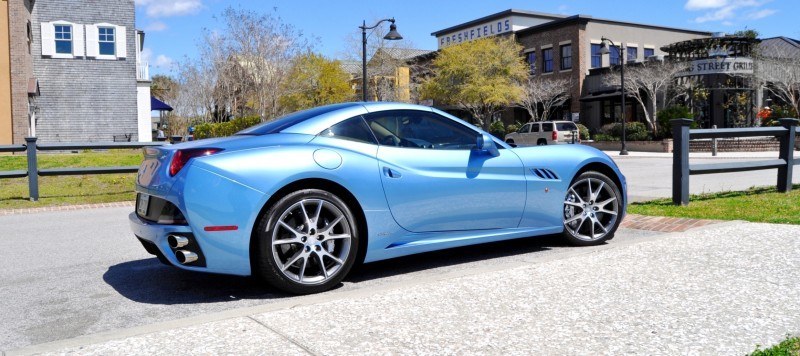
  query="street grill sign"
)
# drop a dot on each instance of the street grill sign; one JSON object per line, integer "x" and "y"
{"x": 724, "y": 65}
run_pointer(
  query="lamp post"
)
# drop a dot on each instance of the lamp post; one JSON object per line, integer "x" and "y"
{"x": 604, "y": 50}
{"x": 391, "y": 36}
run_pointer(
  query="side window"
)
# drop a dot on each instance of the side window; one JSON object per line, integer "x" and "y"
{"x": 525, "y": 128}
{"x": 63, "y": 39}
{"x": 106, "y": 42}
{"x": 535, "y": 128}
{"x": 547, "y": 127}
{"x": 418, "y": 129}
{"x": 353, "y": 129}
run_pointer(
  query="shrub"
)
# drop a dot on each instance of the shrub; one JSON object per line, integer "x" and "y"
{"x": 498, "y": 129}
{"x": 671, "y": 113}
{"x": 583, "y": 132}
{"x": 513, "y": 127}
{"x": 634, "y": 131}
{"x": 605, "y": 137}
{"x": 223, "y": 129}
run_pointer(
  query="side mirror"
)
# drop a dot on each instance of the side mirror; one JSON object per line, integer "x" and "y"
{"x": 486, "y": 144}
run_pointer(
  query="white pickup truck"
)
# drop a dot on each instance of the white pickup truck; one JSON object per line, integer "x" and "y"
{"x": 545, "y": 133}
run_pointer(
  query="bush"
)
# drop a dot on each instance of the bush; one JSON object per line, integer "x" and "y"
{"x": 605, "y": 137}
{"x": 513, "y": 127}
{"x": 634, "y": 131}
{"x": 671, "y": 113}
{"x": 223, "y": 129}
{"x": 583, "y": 132}
{"x": 498, "y": 129}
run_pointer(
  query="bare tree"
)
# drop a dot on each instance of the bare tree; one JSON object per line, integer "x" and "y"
{"x": 644, "y": 82}
{"x": 549, "y": 92}
{"x": 779, "y": 71}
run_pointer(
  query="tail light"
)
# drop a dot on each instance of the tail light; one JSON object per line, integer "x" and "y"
{"x": 181, "y": 157}
{"x": 555, "y": 135}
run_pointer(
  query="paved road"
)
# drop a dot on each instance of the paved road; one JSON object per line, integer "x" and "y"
{"x": 720, "y": 290}
{"x": 650, "y": 175}
{"x": 71, "y": 273}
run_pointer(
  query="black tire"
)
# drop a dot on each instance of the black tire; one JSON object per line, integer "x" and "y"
{"x": 541, "y": 142}
{"x": 316, "y": 250}
{"x": 602, "y": 209}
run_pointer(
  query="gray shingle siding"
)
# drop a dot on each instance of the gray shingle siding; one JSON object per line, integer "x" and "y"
{"x": 85, "y": 99}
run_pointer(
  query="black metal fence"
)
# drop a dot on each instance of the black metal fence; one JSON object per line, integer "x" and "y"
{"x": 681, "y": 169}
{"x": 33, "y": 172}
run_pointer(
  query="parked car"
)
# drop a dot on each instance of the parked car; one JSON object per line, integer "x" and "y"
{"x": 299, "y": 200}
{"x": 545, "y": 133}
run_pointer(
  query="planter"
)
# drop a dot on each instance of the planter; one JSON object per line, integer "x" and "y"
{"x": 756, "y": 144}
{"x": 638, "y": 146}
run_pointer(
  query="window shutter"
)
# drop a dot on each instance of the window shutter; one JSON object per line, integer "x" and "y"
{"x": 121, "y": 42}
{"x": 48, "y": 39}
{"x": 77, "y": 40}
{"x": 92, "y": 41}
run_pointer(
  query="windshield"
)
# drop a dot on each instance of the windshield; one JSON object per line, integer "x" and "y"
{"x": 566, "y": 126}
{"x": 290, "y": 120}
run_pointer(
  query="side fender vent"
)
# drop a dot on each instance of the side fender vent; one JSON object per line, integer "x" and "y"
{"x": 544, "y": 173}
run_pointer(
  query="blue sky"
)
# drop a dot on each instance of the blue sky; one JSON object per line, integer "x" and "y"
{"x": 173, "y": 27}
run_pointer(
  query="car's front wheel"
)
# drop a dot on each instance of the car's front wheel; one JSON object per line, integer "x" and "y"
{"x": 307, "y": 242}
{"x": 592, "y": 209}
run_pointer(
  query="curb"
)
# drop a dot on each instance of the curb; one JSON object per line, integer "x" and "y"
{"x": 121, "y": 204}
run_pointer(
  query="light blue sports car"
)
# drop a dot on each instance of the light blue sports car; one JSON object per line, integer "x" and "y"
{"x": 299, "y": 200}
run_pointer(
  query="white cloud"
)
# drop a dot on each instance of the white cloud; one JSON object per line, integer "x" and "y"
{"x": 160, "y": 61}
{"x": 761, "y": 14}
{"x": 705, "y": 4}
{"x": 726, "y": 11}
{"x": 563, "y": 9}
{"x": 163, "y": 62}
{"x": 167, "y": 8}
{"x": 155, "y": 26}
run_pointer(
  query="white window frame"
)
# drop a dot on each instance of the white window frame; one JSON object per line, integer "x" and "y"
{"x": 114, "y": 42}
{"x": 48, "y": 38}
{"x": 93, "y": 41}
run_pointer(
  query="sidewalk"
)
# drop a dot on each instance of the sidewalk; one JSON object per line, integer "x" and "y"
{"x": 717, "y": 289}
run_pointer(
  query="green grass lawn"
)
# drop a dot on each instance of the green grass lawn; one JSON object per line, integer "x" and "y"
{"x": 70, "y": 190}
{"x": 759, "y": 204}
{"x": 788, "y": 347}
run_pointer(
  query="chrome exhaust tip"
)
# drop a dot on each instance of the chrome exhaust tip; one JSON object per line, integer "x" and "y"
{"x": 176, "y": 241}
{"x": 185, "y": 257}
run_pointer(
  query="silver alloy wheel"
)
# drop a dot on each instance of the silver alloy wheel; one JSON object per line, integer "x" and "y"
{"x": 311, "y": 241}
{"x": 591, "y": 208}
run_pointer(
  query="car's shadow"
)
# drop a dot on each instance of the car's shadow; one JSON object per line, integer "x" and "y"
{"x": 149, "y": 281}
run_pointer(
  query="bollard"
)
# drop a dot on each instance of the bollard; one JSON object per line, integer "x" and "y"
{"x": 33, "y": 169}
{"x": 787, "y": 154}
{"x": 714, "y": 143}
{"x": 680, "y": 161}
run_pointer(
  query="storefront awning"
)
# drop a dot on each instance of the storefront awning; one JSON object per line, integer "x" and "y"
{"x": 599, "y": 97}
{"x": 158, "y": 105}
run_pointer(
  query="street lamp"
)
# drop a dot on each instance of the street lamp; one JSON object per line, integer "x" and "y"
{"x": 604, "y": 50}
{"x": 391, "y": 36}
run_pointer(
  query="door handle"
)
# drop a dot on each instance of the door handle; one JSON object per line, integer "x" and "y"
{"x": 391, "y": 173}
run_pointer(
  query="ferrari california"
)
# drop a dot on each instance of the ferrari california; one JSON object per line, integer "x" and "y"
{"x": 299, "y": 200}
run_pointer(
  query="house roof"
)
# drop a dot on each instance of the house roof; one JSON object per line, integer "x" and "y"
{"x": 780, "y": 47}
{"x": 351, "y": 67}
{"x": 586, "y": 18}
{"x": 403, "y": 53}
{"x": 500, "y": 14}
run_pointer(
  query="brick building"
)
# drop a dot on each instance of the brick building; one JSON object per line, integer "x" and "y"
{"x": 558, "y": 46}
{"x": 76, "y": 72}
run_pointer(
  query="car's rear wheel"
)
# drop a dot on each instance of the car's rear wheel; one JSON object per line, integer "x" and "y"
{"x": 592, "y": 209}
{"x": 541, "y": 142}
{"x": 307, "y": 242}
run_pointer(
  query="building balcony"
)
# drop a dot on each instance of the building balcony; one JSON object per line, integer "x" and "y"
{"x": 142, "y": 71}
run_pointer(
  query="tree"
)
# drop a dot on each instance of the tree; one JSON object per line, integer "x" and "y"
{"x": 315, "y": 81}
{"x": 164, "y": 87}
{"x": 644, "y": 82}
{"x": 479, "y": 76}
{"x": 779, "y": 70}
{"x": 549, "y": 92}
